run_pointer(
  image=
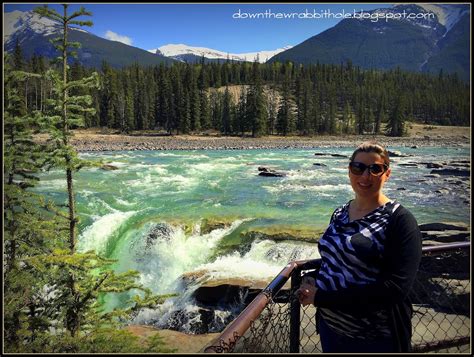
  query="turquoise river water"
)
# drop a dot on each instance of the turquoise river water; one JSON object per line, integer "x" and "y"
{"x": 138, "y": 213}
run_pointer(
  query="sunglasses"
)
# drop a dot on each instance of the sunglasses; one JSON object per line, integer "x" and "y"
{"x": 358, "y": 168}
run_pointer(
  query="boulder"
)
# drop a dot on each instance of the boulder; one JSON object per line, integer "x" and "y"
{"x": 271, "y": 174}
{"x": 109, "y": 167}
{"x": 225, "y": 292}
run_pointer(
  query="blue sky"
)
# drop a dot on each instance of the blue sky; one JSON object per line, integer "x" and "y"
{"x": 216, "y": 26}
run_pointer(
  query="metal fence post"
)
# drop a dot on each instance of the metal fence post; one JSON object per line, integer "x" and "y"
{"x": 295, "y": 312}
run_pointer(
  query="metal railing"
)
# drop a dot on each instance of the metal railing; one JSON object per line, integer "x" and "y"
{"x": 275, "y": 322}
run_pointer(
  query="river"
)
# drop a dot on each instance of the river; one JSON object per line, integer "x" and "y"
{"x": 169, "y": 213}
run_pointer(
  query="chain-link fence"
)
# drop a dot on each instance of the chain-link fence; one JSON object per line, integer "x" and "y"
{"x": 275, "y": 322}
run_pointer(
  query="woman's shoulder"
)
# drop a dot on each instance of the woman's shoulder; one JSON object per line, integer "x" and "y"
{"x": 402, "y": 218}
{"x": 398, "y": 210}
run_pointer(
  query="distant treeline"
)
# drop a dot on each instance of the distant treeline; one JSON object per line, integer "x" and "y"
{"x": 278, "y": 98}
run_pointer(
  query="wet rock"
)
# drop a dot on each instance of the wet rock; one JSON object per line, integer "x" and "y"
{"x": 333, "y": 155}
{"x": 396, "y": 154}
{"x": 444, "y": 226}
{"x": 452, "y": 172}
{"x": 208, "y": 225}
{"x": 109, "y": 167}
{"x": 460, "y": 162}
{"x": 433, "y": 165}
{"x": 198, "y": 321}
{"x": 159, "y": 230}
{"x": 401, "y": 189}
{"x": 319, "y": 164}
{"x": 270, "y": 173}
{"x": 459, "y": 165}
{"x": 227, "y": 292}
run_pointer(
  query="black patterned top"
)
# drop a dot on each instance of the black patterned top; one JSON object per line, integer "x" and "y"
{"x": 351, "y": 255}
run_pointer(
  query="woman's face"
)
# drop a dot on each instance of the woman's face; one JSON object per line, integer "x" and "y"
{"x": 368, "y": 185}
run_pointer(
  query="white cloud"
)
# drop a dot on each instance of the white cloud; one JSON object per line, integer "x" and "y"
{"x": 110, "y": 35}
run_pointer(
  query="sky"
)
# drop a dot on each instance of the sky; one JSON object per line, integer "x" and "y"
{"x": 225, "y": 27}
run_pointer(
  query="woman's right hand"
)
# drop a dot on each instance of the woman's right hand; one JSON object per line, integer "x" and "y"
{"x": 306, "y": 291}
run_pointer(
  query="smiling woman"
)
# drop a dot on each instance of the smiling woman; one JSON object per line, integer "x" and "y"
{"x": 370, "y": 254}
{"x": 368, "y": 184}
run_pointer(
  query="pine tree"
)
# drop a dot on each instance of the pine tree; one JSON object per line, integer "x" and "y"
{"x": 272, "y": 106}
{"x": 332, "y": 120}
{"x": 396, "y": 120}
{"x": 381, "y": 115}
{"x": 256, "y": 107}
{"x": 226, "y": 112}
{"x": 195, "y": 101}
{"x": 240, "y": 120}
{"x": 77, "y": 278}
{"x": 347, "y": 121}
{"x": 128, "y": 121}
{"x": 23, "y": 158}
{"x": 285, "y": 117}
{"x": 205, "y": 110}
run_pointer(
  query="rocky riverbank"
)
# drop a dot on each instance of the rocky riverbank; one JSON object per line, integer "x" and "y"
{"x": 125, "y": 142}
{"x": 108, "y": 140}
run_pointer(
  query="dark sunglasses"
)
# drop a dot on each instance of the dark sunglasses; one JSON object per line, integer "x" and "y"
{"x": 358, "y": 168}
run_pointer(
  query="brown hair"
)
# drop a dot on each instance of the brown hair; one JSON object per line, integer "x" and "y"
{"x": 371, "y": 146}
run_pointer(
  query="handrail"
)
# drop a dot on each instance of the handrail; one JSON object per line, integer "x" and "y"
{"x": 237, "y": 328}
{"x": 444, "y": 247}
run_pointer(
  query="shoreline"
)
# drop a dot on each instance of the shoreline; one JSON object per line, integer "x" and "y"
{"x": 86, "y": 141}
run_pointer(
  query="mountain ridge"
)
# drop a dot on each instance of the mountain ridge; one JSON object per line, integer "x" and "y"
{"x": 33, "y": 33}
{"x": 184, "y": 52}
{"x": 421, "y": 44}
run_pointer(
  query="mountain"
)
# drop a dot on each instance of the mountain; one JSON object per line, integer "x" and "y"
{"x": 33, "y": 34}
{"x": 429, "y": 44}
{"x": 191, "y": 54}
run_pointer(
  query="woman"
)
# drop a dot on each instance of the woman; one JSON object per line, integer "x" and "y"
{"x": 370, "y": 254}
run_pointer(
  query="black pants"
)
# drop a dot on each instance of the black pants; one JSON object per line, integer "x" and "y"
{"x": 333, "y": 342}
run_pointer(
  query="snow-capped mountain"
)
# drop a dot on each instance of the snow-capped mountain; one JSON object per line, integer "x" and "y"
{"x": 33, "y": 33}
{"x": 448, "y": 14}
{"x": 182, "y": 52}
{"x": 410, "y": 38}
{"x": 17, "y": 22}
